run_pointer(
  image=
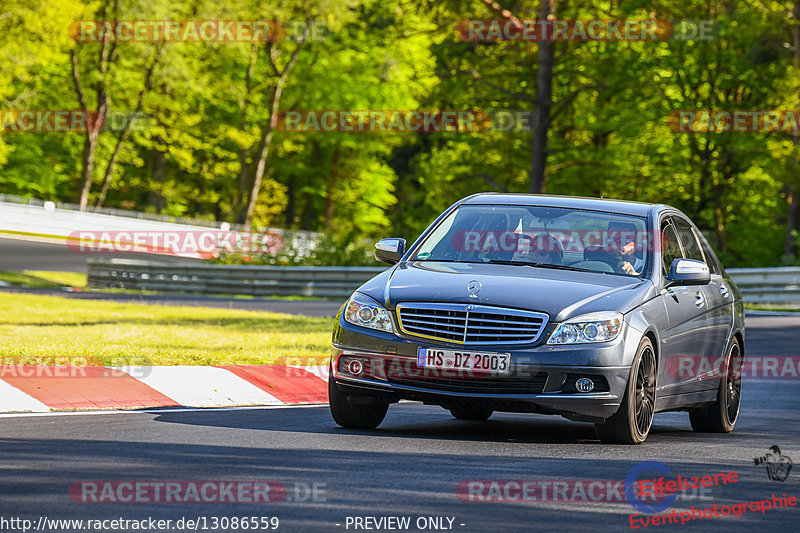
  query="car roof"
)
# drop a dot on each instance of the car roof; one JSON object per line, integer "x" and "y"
{"x": 571, "y": 202}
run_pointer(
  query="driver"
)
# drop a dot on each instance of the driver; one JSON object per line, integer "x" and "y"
{"x": 623, "y": 249}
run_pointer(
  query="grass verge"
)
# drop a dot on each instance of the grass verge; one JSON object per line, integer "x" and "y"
{"x": 68, "y": 331}
{"x": 762, "y": 307}
{"x": 45, "y": 279}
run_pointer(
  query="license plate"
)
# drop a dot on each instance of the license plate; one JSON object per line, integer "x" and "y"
{"x": 478, "y": 362}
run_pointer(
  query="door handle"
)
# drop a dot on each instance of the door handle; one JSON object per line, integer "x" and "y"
{"x": 699, "y": 300}
{"x": 723, "y": 290}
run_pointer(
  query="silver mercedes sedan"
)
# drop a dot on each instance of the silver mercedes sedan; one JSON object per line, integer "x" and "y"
{"x": 597, "y": 310}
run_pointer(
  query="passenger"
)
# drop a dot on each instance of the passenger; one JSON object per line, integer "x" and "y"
{"x": 540, "y": 248}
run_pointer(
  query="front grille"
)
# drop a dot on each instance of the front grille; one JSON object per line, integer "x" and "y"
{"x": 470, "y": 323}
{"x": 448, "y": 324}
{"x": 532, "y": 384}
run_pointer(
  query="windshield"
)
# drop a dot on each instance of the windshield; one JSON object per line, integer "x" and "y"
{"x": 550, "y": 237}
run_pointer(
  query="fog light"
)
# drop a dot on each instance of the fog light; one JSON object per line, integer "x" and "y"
{"x": 584, "y": 385}
{"x": 355, "y": 367}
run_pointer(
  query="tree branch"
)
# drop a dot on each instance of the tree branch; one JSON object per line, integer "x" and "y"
{"x": 123, "y": 136}
{"x": 567, "y": 100}
{"x": 488, "y": 179}
{"x": 76, "y": 77}
{"x": 475, "y": 75}
{"x": 268, "y": 130}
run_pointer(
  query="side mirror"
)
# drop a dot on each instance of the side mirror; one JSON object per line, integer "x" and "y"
{"x": 390, "y": 250}
{"x": 688, "y": 272}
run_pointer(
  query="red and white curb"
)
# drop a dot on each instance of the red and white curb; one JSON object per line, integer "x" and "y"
{"x": 41, "y": 389}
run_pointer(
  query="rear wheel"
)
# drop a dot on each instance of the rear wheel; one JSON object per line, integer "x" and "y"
{"x": 349, "y": 414}
{"x": 471, "y": 413}
{"x": 631, "y": 424}
{"x": 721, "y": 416}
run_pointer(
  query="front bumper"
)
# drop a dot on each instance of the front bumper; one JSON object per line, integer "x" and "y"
{"x": 542, "y": 377}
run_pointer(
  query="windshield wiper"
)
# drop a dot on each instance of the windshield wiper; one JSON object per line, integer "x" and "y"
{"x": 517, "y": 263}
{"x": 540, "y": 265}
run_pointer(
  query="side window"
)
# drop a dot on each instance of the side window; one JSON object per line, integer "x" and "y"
{"x": 690, "y": 245}
{"x": 671, "y": 248}
{"x": 436, "y": 237}
{"x": 711, "y": 259}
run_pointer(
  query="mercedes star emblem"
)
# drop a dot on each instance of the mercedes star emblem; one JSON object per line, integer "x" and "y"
{"x": 474, "y": 287}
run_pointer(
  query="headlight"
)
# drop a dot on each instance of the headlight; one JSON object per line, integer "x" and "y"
{"x": 365, "y": 312}
{"x": 594, "y": 327}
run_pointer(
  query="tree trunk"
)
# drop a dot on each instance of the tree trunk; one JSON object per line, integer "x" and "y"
{"x": 158, "y": 162}
{"x": 87, "y": 166}
{"x": 291, "y": 194}
{"x": 244, "y": 168}
{"x": 93, "y": 123}
{"x": 126, "y": 131}
{"x": 263, "y": 152}
{"x": 544, "y": 101}
{"x": 330, "y": 192}
{"x": 307, "y": 217}
{"x": 268, "y": 131}
{"x": 790, "y": 241}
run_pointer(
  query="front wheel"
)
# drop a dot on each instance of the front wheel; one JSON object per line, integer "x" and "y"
{"x": 631, "y": 424}
{"x": 721, "y": 416}
{"x": 348, "y": 414}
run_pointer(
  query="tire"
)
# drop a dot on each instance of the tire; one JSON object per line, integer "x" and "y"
{"x": 721, "y": 416}
{"x": 353, "y": 415}
{"x": 471, "y": 413}
{"x": 632, "y": 422}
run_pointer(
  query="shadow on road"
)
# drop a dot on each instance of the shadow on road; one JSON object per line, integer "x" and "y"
{"x": 430, "y": 424}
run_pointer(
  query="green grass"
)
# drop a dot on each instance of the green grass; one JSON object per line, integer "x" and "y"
{"x": 55, "y": 280}
{"x": 64, "y": 331}
{"x": 44, "y": 279}
{"x": 764, "y": 307}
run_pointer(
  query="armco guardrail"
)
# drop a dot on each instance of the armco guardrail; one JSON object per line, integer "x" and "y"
{"x": 47, "y": 219}
{"x": 768, "y": 285}
{"x": 758, "y": 285}
{"x": 321, "y": 282}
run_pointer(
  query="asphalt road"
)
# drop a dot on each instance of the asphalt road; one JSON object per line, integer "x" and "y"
{"x": 18, "y": 254}
{"x": 410, "y": 467}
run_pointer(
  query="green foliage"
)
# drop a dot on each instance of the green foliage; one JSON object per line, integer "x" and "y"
{"x": 331, "y": 250}
{"x": 609, "y": 135}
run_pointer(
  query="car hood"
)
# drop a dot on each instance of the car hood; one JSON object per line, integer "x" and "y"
{"x": 561, "y": 294}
